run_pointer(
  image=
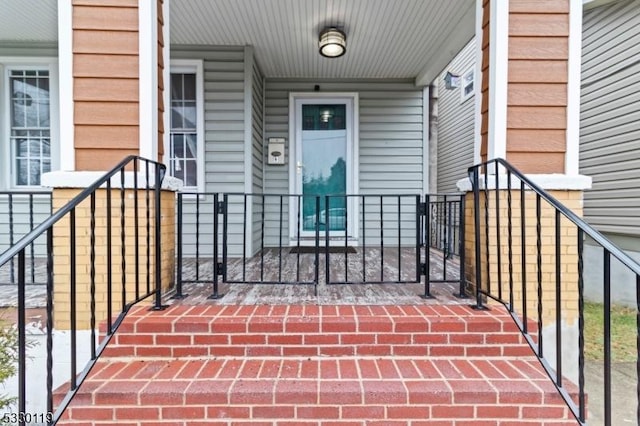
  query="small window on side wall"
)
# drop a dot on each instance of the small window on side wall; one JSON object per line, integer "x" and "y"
{"x": 186, "y": 126}
{"x": 467, "y": 85}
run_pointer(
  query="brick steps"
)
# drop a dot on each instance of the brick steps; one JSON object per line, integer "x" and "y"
{"x": 396, "y": 385}
{"x": 316, "y": 389}
{"x": 437, "y": 331}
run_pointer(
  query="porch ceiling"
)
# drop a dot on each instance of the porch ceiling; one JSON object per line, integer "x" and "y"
{"x": 28, "y": 21}
{"x": 385, "y": 39}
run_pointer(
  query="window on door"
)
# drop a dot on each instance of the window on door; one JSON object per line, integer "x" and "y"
{"x": 186, "y": 128}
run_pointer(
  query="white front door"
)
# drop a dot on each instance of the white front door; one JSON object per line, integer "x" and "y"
{"x": 323, "y": 164}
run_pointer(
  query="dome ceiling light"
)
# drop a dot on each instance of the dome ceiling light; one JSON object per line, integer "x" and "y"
{"x": 332, "y": 43}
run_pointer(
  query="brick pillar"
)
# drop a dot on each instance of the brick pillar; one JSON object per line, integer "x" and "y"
{"x": 62, "y": 257}
{"x": 528, "y": 106}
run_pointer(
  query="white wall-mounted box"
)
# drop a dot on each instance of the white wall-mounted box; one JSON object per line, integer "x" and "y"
{"x": 275, "y": 151}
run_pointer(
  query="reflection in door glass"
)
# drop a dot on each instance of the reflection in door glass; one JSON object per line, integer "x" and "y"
{"x": 324, "y": 167}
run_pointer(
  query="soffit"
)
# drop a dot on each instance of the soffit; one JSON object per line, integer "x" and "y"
{"x": 385, "y": 38}
{"x": 29, "y": 21}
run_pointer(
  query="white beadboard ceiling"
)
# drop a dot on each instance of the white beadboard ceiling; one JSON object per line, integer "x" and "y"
{"x": 28, "y": 21}
{"x": 385, "y": 38}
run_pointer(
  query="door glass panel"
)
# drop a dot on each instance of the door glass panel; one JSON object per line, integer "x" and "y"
{"x": 324, "y": 165}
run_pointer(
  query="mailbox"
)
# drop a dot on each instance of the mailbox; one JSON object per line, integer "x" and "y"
{"x": 275, "y": 151}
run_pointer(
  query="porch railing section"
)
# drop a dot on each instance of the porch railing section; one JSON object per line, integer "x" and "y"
{"x": 533, "y": 273}
{"x": 313, "y": 239}
{"x": 122, "y": 227}
{"x": 20, "y": 212}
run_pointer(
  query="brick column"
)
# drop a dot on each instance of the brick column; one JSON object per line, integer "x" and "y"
{"x": 135, "y": 284}
{"x": 529, "y": 110}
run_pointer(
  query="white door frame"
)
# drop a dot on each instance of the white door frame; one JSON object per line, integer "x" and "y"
{"x": 295, "y": 137}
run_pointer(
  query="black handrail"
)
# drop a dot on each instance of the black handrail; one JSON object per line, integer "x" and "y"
{"x": 515, "y": 180}
{"x": 129, "y": 165}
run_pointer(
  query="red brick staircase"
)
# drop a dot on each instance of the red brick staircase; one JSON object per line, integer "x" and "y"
{"x": 310, "y": 365}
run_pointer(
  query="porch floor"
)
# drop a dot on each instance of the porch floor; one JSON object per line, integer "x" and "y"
{"x": 354, "y": 293}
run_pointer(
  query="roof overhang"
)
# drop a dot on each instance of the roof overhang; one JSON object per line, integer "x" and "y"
{"x": 409, "y": 39}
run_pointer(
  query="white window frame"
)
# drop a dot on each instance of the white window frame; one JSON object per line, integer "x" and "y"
{"x": 8, "y": 64}
{"x": 186, "y": 66}
{"x": 463, "y": 77}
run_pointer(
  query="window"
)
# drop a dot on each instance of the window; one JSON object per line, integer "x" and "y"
{"x": 30, "y": 125}
{"x": 466, "y": 88}
{"x": 186, "y": 133}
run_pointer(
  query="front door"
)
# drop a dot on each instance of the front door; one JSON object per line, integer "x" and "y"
{"x": 323, "y": 165}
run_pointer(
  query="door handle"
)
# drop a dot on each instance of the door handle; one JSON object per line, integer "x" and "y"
{"x": 299, "y": 166}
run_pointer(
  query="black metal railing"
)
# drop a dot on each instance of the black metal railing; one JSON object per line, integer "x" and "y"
{"x": 529, "y": 256}
{"x": 335, "y": 239}
{"x": 98, "y": 253}
{"x": 20, "y": 212}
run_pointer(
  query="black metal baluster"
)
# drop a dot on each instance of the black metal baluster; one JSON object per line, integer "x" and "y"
{"x": 261, "y": 242}
{"x": 50, "y": 320}
{"x": 486, "y": 227}
{"x": 92, "y": 273}
{"x": 123, "y": 243}
{"x": 364, "y": 242}
{"x": 11, "y": 238}
{"x": 445, "y": 225}
{"x": 148, "y": 225}
{"x": 225, "y": 238}
{"x": 498, "y": 241}
{"x": 418, "y": 238}
{"x": 197, "y": 238}
{"x": 539, "y": 272}
{"x": 523, "y": 259}
{"x": 298, "y": 223}
{"x": 399, "y": 238}
{"x": 72, "y": 298}
{"x": 179, "y": 246}
{"x": 317, "y": 250}
{"x": 136, "y": 231}
{"x": 346, "y": 239}
{"x": 558, "y": 274}
{"x": 280, "y": 225}
{"x": 607, "y": 336}
{"x": 244, "y": 238}
{"x": 326, "y": 239}
{"x": 109, "y": 261}
{"x": 581, "y": 380}
{"x": 381, "y": 239}
{"x": 22, "y": 337}
{"x": 32, "y": 246}
{"x": 510, "y": 239}
{"x": 427, "y": 257}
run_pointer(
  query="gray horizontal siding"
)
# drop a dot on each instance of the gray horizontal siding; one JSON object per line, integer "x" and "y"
{"x": 19, "y": 216}
{"x": 610, "y": 116}
{"x": 390, "y": 143}
{"x": 257, "y": 151}
{"x": 224, "y": 135}
{"x": 455, "y": 120}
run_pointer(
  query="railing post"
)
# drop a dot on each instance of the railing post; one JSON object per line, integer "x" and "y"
{"x": 179, "y": 294}
{"x": 216, "y": 265}
{"x": 426, "y": 266}
{"x": 462, "y": 294}
{"x": 157, "y": 240}
{"x": 475, "y": 182}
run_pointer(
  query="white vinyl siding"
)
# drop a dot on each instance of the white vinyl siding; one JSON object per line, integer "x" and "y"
{"x": 455, "y": 120}
{"x": 610, "y": 116}
{"x": 390, "y": 138}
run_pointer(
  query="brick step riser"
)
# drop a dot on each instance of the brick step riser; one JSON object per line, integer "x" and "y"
{"x": 260, "y": 345}
{"x": 332, "y": 337}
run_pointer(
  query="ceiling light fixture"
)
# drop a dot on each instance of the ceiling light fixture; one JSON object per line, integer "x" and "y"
{"x": 332, "y": 42}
